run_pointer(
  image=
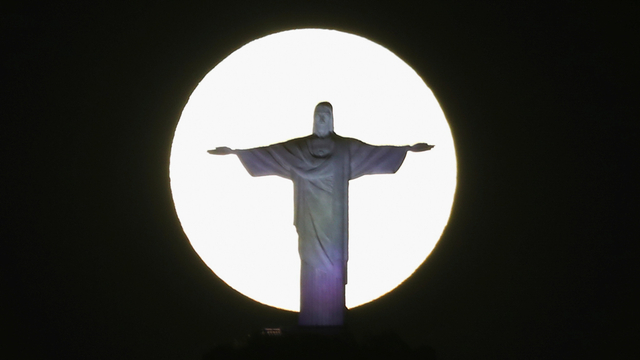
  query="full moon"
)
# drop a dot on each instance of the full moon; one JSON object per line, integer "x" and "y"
{"x": 264, "y": 93}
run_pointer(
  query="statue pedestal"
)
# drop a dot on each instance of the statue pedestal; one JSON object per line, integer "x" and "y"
{"x": 301, "y": 342}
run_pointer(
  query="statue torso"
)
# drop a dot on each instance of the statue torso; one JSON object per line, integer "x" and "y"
{"x": 321, "y": 147}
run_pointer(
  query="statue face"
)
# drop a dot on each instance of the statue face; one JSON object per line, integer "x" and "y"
{"x": 322, "y": 121}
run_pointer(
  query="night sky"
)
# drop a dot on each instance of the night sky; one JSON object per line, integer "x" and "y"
{"x": 539, "y": 260}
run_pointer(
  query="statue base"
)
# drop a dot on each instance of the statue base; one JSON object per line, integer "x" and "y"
{"x": 317, "y": 342}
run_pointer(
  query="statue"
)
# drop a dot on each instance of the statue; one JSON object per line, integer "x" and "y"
{"x": 320, "y": 166}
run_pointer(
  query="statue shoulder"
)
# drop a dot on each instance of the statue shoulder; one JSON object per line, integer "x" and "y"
{"x": 349, "y": 142}
{"x": 345, "y": 140}
{"x": 297, "y": 141}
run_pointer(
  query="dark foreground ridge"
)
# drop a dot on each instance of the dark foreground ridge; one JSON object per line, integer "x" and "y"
{"x": 317, "y": 343}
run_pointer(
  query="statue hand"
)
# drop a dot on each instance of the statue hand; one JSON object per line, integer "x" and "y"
{"x": 421, "y": 147}
{"x": 222, "y": 150}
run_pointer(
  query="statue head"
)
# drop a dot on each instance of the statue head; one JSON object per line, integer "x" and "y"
{"x": 323, "y": 119}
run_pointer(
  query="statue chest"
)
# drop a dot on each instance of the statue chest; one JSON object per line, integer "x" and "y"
{"x": 321, "y": 147}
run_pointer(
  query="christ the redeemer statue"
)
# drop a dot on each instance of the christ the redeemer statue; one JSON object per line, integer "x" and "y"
{"x": 320, "y": 166}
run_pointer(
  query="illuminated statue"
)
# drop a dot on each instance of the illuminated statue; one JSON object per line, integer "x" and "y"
{"x": 320, "y": 166}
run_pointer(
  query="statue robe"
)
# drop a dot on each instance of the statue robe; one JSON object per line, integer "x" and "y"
{"x": 320, "y": 171}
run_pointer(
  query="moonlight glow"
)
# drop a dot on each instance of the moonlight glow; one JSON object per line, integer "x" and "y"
{"x": 264, "y": 93}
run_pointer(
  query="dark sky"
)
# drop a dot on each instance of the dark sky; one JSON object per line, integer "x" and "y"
{"x": 539, "y": 260}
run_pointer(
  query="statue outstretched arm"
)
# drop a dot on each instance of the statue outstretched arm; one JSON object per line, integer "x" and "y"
{"x": 222, "y": 150}
{"x": 420, "y": 147}
{"x": 261, "y": 161}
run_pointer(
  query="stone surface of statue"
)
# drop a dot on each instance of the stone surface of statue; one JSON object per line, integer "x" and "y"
{"x": 320, "y": 167}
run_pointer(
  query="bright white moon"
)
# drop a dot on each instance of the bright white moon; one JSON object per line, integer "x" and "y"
{"x": 266, "y": 92}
